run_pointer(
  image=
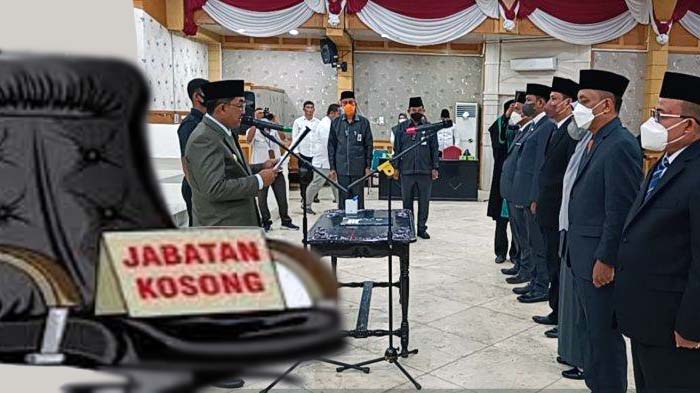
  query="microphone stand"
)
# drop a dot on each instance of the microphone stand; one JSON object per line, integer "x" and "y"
{"x": 391, "y": 355}
{"x": 290, "y": 151}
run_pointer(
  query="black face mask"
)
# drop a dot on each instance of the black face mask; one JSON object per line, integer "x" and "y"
{"x": 416, "y": 116}
{"x": 529, "y": 109}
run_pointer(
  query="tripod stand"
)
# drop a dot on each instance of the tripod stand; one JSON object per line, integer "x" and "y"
{"x": 303, "y": 182}
{"x": 391, "y": 354}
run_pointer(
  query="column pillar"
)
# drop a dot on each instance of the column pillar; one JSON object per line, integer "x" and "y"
{"x": 490, "y": 110}
{"x": 215, "y": 62}
{"x": 657, "y": 64}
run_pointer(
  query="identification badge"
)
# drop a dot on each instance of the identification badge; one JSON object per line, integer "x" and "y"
{"x": 271, "y": 154}
{"x": 359, "y": 137}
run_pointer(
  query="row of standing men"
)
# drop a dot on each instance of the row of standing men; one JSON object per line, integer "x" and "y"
{"x": 613, "y": 253}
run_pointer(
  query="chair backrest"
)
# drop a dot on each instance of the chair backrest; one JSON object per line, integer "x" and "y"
{"x": 73, "y": 159}
{"x": 451, "y": 153}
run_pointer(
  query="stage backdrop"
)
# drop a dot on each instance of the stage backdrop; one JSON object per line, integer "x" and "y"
{"x": 384, "y": 82}
{"x": 302, "y": 75}
{"x": 169, "y": 62}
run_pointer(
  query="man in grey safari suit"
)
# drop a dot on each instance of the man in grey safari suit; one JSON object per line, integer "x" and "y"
{"x": 224, "y": 187}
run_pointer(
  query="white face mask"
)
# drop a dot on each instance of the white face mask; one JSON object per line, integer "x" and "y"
{"x": 515, "y": 118}
{"x": 583, "y": 116}
{"x": 655, "y": 135}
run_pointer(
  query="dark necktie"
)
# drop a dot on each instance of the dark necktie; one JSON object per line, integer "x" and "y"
{"x": 656, "y": 177}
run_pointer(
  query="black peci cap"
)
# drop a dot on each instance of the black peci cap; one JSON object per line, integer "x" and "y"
{"x": 684, "y": 87}
{"x": 415, "y": 102}
{"x": 347, "y": 94}
{"x": 565, "y": 86}
{"x": 223, "y": 89}
{"x": 538, "y": 90}
{"x": 604, "y": 81}
{"x": 520, "y": 96}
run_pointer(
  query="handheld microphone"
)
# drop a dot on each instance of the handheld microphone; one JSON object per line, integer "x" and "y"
{"x": 262, "y": 124}
{"x": 301, "y": 137}
{"x": 429, "y": 127}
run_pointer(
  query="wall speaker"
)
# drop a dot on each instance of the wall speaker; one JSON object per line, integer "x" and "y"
{"x": 329, "y": 52}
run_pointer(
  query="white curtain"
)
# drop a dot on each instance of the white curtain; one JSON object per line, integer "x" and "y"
{"x": 489, "y": 7}
{"x": 691, "y": 22}
{"x": 640, "y": 9}
{"x": 414, "y": 31}
{"x": 586, "y": 34}
{"x": 263, "y": 24}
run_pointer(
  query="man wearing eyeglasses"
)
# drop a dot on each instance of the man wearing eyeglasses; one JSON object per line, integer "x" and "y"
{"x": 224, "y": 187}
{"x": 657, "y": 295}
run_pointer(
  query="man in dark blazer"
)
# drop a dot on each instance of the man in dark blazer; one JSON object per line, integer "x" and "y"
{"x": 194, "y": 92}
{"x": 521, "y": 269}
{"x": 526, "y": 188}
{"x": 559, "y": 150}
{"x": 604, "y": 189}
{"x": 499, "y": 146}
{"x": 657, "y": 290}
{"x": 224, "y": 186}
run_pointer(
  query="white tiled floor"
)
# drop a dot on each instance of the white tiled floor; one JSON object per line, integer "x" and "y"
{"x": 471, "y": 332}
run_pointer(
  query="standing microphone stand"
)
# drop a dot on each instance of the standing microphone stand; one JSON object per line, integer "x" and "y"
{"x": 391, "y": 354}
{"x": 290, "y": 151}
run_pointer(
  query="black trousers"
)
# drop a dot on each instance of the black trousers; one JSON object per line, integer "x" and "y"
{"x": 306, "y": 174}
{"x": 665, "y": 369}
{"x": 551, "y": 240}
{"x": 501, "y": 240}
{"x": 358, "y": 190}
{"x": 187, "y": 196}
{"x": 279, "y": 188}
{"x": 422, "y": 185}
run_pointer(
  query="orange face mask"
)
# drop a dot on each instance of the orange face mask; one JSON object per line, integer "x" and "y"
{"x": 349, "y": 110}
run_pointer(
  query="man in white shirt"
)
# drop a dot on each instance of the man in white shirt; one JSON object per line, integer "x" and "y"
{"x": 446, "y": 136}
{"x": 263, "y": 150}
{"x": 320, "y": 154}
{"x": 306, "y": 146}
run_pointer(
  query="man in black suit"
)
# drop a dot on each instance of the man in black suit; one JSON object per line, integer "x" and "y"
{"x": 559, "y": 150}
{"x": 526, "y": 188}
{"x": 603, "y": 191}
{"x": 657, "y": 294}
{"x": 194, "y": 91}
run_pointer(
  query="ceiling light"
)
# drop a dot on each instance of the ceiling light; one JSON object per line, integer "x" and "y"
{"x": 294, "y": 32}
{"x": 240, "y": 31}
{"x": 385, "y": 36}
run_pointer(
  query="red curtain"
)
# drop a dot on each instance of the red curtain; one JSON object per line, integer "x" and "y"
{"x": 579, "y": 11}
{"x": 191, "y": 6}
{"x": 416, "y": 9}
{"x": 682, "y": 8}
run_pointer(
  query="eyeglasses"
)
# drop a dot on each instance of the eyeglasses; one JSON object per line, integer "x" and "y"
{"x": 658, "y": 115}
{"x": 240, "y": 105}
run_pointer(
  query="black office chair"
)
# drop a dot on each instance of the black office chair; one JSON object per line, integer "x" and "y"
{"x": 74, "y": 164}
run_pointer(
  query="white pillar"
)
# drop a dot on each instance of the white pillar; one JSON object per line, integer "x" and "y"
{"x": 490, "y": 109}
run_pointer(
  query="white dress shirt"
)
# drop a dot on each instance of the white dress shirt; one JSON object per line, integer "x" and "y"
{"x": 559, "y": 124}
{"x": 261, "y": 184}
{"x": 261, "y": 146}
{"x": 675, "y": 155}
{"x": 320, "y": 143}
{"x": 305, "y": 148}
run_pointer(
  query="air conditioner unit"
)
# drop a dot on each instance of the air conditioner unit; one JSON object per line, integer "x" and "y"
{"x": 466, "y": 131}
{"x": 534, "y": 64}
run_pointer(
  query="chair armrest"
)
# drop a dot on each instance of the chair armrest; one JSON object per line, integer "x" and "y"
{"x": 54, "y": 283}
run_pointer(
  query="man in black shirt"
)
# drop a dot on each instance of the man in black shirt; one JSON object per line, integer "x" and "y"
{"x": 419, "y": 167}
{"x": 194, "y": 91}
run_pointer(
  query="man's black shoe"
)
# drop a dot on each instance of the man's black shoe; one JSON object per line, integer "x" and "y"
{"x": 500, "y": 259}
{"x": 560, "y": 360}
{"x": 522, "y": 290}
{"x": 511, "y": 271}
{"x": 267, "y": 226}
{"x": 548, "y": 320}
{"x": 517, "y": 280}
{"x": 575, "y": 373}
{"x": 290, "y": 226}
{"x": 533, "y": 298}
{"x": 552, "y": 333}
{"x": 423, "y": 235}
{"x": 316, "y": 200}
{"x": 310, "y": 211}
